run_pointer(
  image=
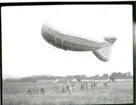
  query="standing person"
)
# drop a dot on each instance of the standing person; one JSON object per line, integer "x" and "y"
{"x": 68, "y": 88}
{"x": 86, "y": 85}
{"x": 55, "y": 88}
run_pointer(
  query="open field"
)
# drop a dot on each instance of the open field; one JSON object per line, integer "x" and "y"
{"x": 16, "y": 94}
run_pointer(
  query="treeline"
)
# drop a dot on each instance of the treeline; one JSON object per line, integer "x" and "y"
{"x": 113, "y": 76}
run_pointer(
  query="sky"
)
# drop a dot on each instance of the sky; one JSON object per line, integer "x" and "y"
{"x": 26, "y": 53}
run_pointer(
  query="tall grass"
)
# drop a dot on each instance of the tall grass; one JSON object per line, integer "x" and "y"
{"x": 117, "y": 93}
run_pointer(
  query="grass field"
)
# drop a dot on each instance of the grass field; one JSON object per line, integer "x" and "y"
{"x": 116, "y": 93}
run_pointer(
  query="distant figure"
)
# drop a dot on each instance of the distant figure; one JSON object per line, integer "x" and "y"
{"x": 82, "y": 86}
{"x": 29, "y": 91}
{"x": 86, "y": 85}
{"x": 37, "y": 90}
{"x": 93, "y": 84}
{"x": 42, "y": 90}
{"x": 106, "y": 84}
{"x": 63, "y": 89}
{"x": 73, "y": 84}
{"x": 69, "y": 88}
{"x": 33, "y": 89}
{"x": 55, "y": 88}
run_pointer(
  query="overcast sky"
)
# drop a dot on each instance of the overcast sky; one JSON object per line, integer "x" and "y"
{"x": 26, "y": 53}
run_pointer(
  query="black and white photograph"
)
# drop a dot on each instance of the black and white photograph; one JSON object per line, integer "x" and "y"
{"x": 67, "y": 54}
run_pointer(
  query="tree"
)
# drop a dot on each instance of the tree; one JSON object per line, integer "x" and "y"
{"x": 128, "y": 74}
{"x": 113, "y": 76}
{"x": 78, "y": 77}
{"x": 96, "y": 75}
{"x": 105, "y": 75}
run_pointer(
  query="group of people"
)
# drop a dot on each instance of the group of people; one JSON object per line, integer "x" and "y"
{"x": 86, "y": 85}
{"x": 91, "y": 85}
{"x": 66, "y": 87}
{"x": 34, "y": 90}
